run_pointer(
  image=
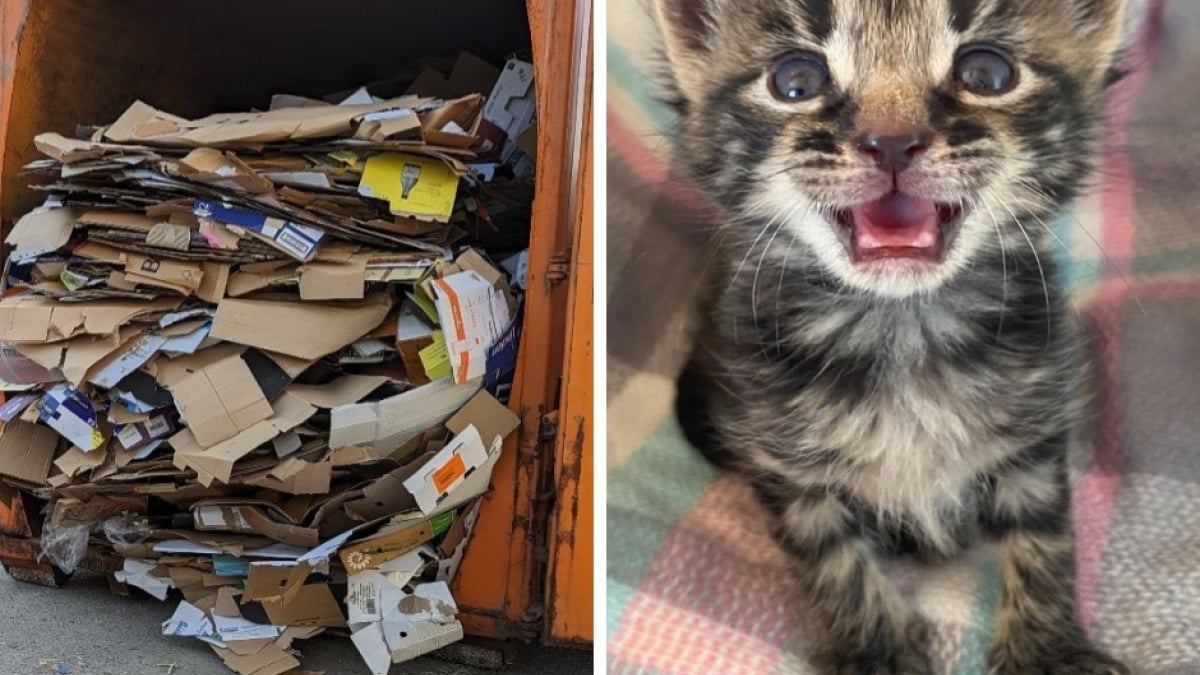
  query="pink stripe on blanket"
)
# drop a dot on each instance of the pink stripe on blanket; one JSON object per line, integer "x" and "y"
{"x": 651, "y": 170}
{"x": 656, "y": 634}
{"x": 1096, "y": 493}
{"x": 731, "y": 513}
{"x": 719, "y": 592}
{"x": 1117, "y": 197}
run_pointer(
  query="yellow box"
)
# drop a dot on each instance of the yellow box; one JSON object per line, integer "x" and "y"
{"x": 421, "y": 187}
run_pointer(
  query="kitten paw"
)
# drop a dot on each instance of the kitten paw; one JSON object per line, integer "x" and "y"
{"x": 1085, "y": 661}
{"x": 904, "y": 654}
{"x": 1089, "y": 663}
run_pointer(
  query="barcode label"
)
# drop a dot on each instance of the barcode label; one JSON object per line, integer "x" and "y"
{"x": 369, "y": 606}
{"x": 130, "y": 436}
{"x": 157, "y": 426}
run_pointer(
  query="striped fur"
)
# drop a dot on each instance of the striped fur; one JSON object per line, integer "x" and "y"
{"x": 905, "y": 410}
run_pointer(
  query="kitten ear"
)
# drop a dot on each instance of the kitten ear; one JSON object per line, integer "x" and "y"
{"x": 687, "y": 27}
{"x": 1109, "y": 26}
{"x": 1104, "y": 18}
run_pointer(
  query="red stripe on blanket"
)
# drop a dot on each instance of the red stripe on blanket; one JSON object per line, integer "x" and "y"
{"x": 1096, "y": 493}
{"x": 651, "y": 170}
{"x": 1117, "y": 198}
{"x": 730, "y": 512}
{"x": 718, "y": 597}
{"x": 656, "y": 634}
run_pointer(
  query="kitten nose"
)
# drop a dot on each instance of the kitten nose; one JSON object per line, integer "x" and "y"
{"x": 894, "y": 152}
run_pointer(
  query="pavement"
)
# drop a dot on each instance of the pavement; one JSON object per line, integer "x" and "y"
{"x": 89, "y": 631}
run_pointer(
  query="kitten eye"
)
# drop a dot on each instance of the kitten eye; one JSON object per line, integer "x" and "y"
{"x": 985, "y": 70}
{"x": 798, "y": 76}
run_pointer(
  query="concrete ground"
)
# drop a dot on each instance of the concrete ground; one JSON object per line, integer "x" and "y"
{"x": 82, "y": 629}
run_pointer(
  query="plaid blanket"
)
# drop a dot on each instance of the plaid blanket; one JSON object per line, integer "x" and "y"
{"x": 695, "y": 584}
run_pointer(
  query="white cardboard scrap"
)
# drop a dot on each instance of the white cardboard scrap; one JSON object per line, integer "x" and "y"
{"x": 186, "y": 344}
{"x": 392, "y": 422}
{"x": 373, "y": 647}
{"x": 188, "y": 621}
{"x": 137, "y": 573}
{"x": 435, "y": 484}
{"x": 474, "y": 315}
{"x": 234, "y": 628}
{"x": 136, "y": 356}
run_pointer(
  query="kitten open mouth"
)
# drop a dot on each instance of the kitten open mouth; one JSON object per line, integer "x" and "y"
{"x": 899, "y": 226}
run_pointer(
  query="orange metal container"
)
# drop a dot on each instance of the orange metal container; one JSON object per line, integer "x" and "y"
{"x": 528, "y": 571}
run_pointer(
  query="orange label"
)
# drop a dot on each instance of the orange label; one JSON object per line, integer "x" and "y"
{"x": 449, "y": 472}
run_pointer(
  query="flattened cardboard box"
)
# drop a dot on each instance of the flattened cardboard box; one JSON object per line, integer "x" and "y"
{"x": 26, "y": 452}
{"x": 221, "y": 401}
{"x": 294, "y": 476}
{"x": 42, "y": 231}
{"x": 435, "y": 484}
{"x": 252, "y": 517}
{"x": 217, "y": 461}
{"x": 412, "y": 185}
{"x": 388, "y": 545}
{"x": 287, "y": 327}
{"x": 388, "y": 424}
{"x": 182, "y": 277}
{"x": 25, "y": 318}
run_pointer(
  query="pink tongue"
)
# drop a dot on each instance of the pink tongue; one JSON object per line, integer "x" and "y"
{"x": 897, "y": 220}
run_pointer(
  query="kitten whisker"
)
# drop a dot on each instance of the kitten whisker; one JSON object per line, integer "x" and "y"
{"x": 1104, "y": 252}
{"x": 1041, "y": 270}
{"x": 1003, "y": 264}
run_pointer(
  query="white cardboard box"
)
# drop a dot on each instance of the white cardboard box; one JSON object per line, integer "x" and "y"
{"x": 473, "y": 315}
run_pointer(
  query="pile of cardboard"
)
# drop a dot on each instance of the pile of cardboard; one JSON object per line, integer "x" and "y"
{"x": 250, "y": 355}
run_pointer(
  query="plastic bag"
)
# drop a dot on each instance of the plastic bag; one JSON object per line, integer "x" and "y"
{"x": 65, "y": 546}
{"x": 126, "y": 529}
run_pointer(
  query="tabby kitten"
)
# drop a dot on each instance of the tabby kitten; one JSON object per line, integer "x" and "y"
{"x": 888, "y": 359}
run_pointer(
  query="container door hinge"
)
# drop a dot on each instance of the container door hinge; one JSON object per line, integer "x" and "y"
{"x": 548, "y": 427}
{"x": 559, "y": 269}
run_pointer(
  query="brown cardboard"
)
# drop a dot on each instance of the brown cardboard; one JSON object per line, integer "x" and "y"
{"x": 465, "y": 112}
{"x": 217, "y": 461}
{"x": 294, "y": 476}
{"x": 270, "y": 660}
{"x": 144, "y": 124}
{"x": 214, "y": 282}
{"x": 342, "y": 391}
{"x": 310, "y": 605}
{"x": 79, "y": 357}
{"x": 379, "y": 549}
{"x": 291, "y": 365}
{"x": 395, "y": 127}
{"x": 206, "y": 165}
{"x": 71, "y": 150}
{"x": 252, "y": 516}
{"x": 220, "y": 401}
{"x": 527, "y": 141}
{"x": 491, "y": 417}
{"x": 133, "y": 221}
{"x": 26, "y": 451}
{"x": 386, "y": 495}
{"x": 291, "y": 328}
{"x": 170, "y": 372}
{"x": 469, "y": 75}
{"x": 251, "y": 278}
{"x": 25, "y": 318}
{"x": 170, "y": 235}
{"x": 143, "y": 118}
{"x": 42, "y": 231}
{"x": 323, "y": 281}
{"x": 176, "y": 275}
{"x": 268, "y": 581}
